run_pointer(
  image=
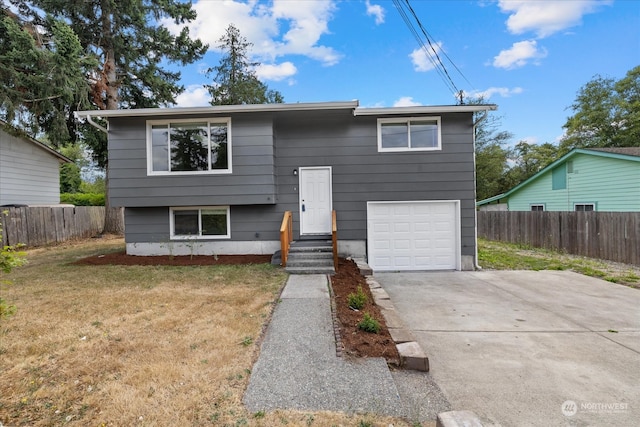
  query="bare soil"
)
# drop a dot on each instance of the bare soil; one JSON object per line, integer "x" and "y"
{"x": 355, "y": 342}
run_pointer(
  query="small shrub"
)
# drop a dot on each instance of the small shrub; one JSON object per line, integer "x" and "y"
{"x": 10, "y": 258}
{"x": 369, "y": 324}
{"x": 82, "y": 199}
{"x": 357, "y": 300}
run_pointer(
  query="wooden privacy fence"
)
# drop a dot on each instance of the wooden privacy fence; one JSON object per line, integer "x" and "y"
{"x": 38, "y": 226}
{"x": 613, "y": 236}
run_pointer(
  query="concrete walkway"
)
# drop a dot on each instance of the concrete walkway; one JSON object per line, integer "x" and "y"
{"x": 527, "y": 348}
{"x": 298, "y": 367}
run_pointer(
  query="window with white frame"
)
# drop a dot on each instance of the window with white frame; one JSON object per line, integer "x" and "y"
{"x": 200, "y": 223}
{"x": 537, "y": 208}
{"x": 409, "y": 134}
{"x": 584, "y": 207}
{"x": 189, "y": 146}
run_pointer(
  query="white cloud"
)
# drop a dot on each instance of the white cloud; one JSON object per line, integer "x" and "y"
{"x": 305, "y": 22}
{"x": 503, "y": 92}
{"x": 519, "y": 55}
{"x": 547, "y": 17}
{"x": 406, "y": 101}
{"x": 376, "y": 11}
{"x": 193, "y": 96}
{"x": 276, "y": 72}
{"x": 423, "y": 62}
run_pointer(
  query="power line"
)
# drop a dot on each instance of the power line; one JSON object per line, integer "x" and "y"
{"x": 430, "y": 47}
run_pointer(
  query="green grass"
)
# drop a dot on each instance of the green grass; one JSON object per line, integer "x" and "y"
{"x": 506, "y": 256}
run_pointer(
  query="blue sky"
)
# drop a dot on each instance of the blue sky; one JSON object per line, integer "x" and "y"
{"x": 529, "y": 57}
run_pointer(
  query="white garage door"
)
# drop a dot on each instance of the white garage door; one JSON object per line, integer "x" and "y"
{"x": 417, "y": 235}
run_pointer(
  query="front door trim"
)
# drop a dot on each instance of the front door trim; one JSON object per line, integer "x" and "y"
{"x": 314, "y": 228}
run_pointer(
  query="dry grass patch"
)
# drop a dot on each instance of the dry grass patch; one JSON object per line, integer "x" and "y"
{"x": 136, "y": 345}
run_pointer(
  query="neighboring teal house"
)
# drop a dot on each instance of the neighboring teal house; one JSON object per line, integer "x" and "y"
{"x": 595, "y": 179}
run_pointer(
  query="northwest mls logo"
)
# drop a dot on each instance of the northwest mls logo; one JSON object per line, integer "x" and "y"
{"x": 569, "y": 408}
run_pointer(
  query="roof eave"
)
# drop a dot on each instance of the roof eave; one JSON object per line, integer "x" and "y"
{"x": 491, "y": 199}
{"x": 60, "y": 157}
{"x": 423, "y": 109}
{"x": 219, "y": 109}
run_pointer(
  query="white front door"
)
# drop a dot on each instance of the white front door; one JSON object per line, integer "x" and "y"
{"x": 315, "y": 200}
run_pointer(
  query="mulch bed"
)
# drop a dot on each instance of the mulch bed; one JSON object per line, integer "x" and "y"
{"x": 121, "y": 258}
{"x": 355, "y": 342}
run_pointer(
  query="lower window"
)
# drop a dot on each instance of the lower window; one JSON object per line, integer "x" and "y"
{"x": 584, "y": 207}
{"x": 200, "y": 223}
{"x": 537, "y": 208}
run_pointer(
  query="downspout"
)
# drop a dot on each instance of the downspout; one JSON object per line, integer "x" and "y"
{"x": 476, "y": 123}
{"x": 96, "y": 125}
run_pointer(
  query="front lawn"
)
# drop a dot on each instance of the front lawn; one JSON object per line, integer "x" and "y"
{"x": 136, "y": 345}
{"x": 505, "y": 256}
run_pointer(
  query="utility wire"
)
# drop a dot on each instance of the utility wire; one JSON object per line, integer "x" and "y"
{"x": 430, "y": 50}
{"x": 423, "y": 46}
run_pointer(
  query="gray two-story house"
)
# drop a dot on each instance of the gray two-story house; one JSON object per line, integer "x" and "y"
{"x": 218, "y": 180}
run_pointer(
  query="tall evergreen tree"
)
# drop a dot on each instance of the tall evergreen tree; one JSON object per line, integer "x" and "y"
{"x": 131, "y": 49}
{"x": 235, "y": 81}
{"x": 42, "y": 75}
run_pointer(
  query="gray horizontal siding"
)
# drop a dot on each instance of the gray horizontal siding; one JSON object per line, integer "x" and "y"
{"x": 151, "y": 225}
{"x": 28, "y": 174}
{"x": 252, "y": 180}
{"x": 361, "y": 173}
{"x": 338, "y": 139}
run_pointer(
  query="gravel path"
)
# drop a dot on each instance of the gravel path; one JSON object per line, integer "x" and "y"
{"x": 298, "y": 367}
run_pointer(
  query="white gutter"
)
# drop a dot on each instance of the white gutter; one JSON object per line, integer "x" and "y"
{"x": 94, "y": 124}
{"x": 219, "y": 109}
{"x": 426, "y": 109}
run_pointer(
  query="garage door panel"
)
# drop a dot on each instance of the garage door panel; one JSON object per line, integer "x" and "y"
{"x": 413, "y": 235}
{"x": 401, "y": 244}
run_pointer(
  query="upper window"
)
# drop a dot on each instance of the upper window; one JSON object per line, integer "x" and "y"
{"x": 189, "y": 147}
{"x": 409, "y": 134}
{"x": 200, "y": 223}
{"x": 584, "y": 207}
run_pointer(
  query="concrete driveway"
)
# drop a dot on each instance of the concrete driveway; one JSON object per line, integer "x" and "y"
{"x": 526, "y": 348}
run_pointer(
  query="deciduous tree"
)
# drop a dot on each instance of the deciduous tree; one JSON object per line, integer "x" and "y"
{"x": 491, "y": 153}
{"x": 606, "y": 114}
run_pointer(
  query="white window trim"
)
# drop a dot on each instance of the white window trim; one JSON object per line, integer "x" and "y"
{"x": 210, "y": 121}
{"x": 199, "y": 236}
{"x": 584, "y": 204}
{"x": 544, "y": 208}
{"x": 408, "y": 120}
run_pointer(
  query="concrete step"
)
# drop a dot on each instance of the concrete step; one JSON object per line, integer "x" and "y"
{"x": 311, "y": 249}
{"x": 310, "y": 270}
{"x": 309, "y": 262}
{"x": 311, "y": 255}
